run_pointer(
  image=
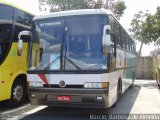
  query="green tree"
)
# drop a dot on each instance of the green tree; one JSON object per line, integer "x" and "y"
{"x": 151, "y": 27}
{"x": 117, "y": 7}
{"x": 145, "y": 27}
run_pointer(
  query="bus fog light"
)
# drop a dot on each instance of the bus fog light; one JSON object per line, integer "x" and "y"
{"x": 99, "y": 98}
{"x": 33, "y": 95}
{"x": 97, "y": 85}
{"x": 35, "y": 84}
{"x": 87, "y": 85}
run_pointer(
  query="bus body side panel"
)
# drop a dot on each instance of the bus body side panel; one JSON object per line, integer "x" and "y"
{"x": 12, "y": 67}
{"x": 127, "y": 63}
{"x": 130, "y": 69}
{"x": 120, "y": 65}
{"x": 112, "y": 78}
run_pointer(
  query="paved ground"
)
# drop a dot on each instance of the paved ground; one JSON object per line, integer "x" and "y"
{"x": 142, "y": 98}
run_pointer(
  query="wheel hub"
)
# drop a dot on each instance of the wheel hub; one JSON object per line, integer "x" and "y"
{"x": 18, "y": 92}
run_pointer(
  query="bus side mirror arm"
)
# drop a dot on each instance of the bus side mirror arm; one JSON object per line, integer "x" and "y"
{"x": 106, "y": 41}
{"x": 20, "y": 41}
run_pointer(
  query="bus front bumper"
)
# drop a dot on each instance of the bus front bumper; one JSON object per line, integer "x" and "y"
{"x": 86, "y": 98}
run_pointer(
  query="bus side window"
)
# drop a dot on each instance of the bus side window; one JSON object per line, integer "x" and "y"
{"x": 23, "y": 17}
{"x": 116, "y": 30}
{"x": 5, "y": 38}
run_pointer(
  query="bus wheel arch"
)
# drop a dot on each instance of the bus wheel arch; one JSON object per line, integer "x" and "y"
{"x": 119, "y": 91}
{"x": 18, "y": 91}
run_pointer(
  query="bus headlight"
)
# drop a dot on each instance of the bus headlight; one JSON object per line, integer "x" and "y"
{"x": 35, "y": 84}
{"x": 87, "y": 85}
{"x": 96, "y": 85}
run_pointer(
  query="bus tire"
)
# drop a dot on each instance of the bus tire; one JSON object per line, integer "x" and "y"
{"x": 18, "y": 93}
{"x": 133, "y": 79}
{"x": 119, "y": 89}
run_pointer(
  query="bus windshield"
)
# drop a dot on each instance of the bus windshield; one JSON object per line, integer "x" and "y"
{"x": 72, "y": 43}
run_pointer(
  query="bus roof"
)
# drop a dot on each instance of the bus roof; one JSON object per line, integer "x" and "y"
{"x": 10, "y": 3}
{"x": 73, "y": 12}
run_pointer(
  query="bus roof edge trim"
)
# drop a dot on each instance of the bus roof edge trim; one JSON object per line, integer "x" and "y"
{"x": 73, "y": 13}
{"x": 9, "y": 3}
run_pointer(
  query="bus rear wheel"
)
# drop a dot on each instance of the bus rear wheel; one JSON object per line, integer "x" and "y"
{"x": 133, "y": 79}
{"x": 119, "y": 89}
{"x": 18, "y": 94}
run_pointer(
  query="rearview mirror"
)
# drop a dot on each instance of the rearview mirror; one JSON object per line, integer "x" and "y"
{"x": 20, "y": 41}
{"x": 106, "y": 39}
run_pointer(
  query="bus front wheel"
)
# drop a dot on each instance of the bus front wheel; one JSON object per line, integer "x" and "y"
{"x": 18, "y": 94}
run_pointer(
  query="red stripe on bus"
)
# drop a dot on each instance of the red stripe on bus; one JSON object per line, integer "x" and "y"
{"x": 43, "y": 77}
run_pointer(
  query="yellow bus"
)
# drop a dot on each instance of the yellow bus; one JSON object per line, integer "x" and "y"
{"x": 156, "y": 62}
{"x": 12, "y": 66}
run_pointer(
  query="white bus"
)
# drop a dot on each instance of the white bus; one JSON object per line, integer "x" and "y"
{"x": 79, "y": 58}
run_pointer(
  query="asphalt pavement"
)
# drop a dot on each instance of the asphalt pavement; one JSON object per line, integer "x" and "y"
{"x": 141, "y": 99}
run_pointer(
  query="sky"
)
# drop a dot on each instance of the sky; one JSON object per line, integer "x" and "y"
{"x": 133, "y": 7}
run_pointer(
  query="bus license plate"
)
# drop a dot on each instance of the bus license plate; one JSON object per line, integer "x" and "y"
{"x": 64, "y": 98}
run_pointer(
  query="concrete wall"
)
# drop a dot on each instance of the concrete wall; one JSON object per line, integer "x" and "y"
{"x": 144, "y": 68}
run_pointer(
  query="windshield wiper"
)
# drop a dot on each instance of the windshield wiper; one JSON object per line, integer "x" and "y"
{"x": 73, "y": 63}
{"x": 52, "y": 62}
{"x": 69, "y": 60}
